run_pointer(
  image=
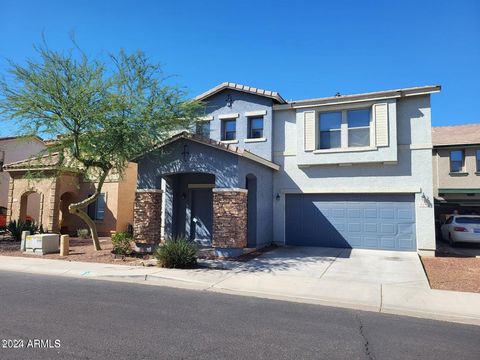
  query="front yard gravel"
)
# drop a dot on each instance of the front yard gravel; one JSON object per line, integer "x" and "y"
{"x": 453, "y": 273}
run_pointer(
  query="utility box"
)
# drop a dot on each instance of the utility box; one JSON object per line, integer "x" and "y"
{"x": 42, "y": 244}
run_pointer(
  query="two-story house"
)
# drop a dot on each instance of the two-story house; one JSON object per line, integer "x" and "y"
{"x": 350, "y": 171}
{"x": 456, "y": 169}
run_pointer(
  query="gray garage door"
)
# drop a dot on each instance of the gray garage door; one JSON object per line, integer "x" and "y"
{"x": 369, "y": 221}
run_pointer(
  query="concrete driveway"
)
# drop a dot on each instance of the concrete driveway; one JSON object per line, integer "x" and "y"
{"x": 346, "y": 277}
{"x": 350, "y": 265}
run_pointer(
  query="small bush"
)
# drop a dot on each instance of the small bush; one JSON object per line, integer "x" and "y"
{"x": 177, "y": 253}
{"x": 122, "y": 243}
{"x": 17, "y": 227}
{"x": 83, "y": 233}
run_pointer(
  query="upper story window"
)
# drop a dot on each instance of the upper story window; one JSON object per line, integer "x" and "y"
{"x": 478, "y": 160}
{"x": 456, "y": 161}
{"x": 358, "y": 127}
{"x": 330, "y": 130}
{"x": 344, "y": 129}
{"x": 229, "y": 129}
{"x": 203, "y": 128}
{"x": 255, "y": 127}
{"x": 96, "y": 210}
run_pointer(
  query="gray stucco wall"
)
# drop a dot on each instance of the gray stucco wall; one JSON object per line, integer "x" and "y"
{"x": 201, "y": 159}
{"x": 265, "y": 196}
{"x": 230, "y": 171}
{"x": 412, "y": 173}
{"x": 242, "y": 102}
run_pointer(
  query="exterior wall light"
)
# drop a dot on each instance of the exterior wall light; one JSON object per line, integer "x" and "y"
{"x": 277, "y": 197}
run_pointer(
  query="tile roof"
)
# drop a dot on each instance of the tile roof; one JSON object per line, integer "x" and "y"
{"x": 218, "y": 145}
{"x": 49, "y": 161}
{"x": 456, "y": 135}
{"x": 248, "y": 89}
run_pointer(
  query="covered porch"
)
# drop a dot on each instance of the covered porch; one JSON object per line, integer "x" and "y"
{"x": 213, "y": 194}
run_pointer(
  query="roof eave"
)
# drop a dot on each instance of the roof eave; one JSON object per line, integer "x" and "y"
{"x": 374, "y": 96}
{"x": 242, "y": 88}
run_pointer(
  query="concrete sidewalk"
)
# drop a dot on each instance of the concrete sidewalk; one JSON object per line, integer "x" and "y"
{"x": 253, "y": 279}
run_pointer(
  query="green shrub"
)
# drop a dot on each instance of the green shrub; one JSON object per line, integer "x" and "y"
{"x": 122, "y": 243}
{"x": 83, "y": 233}
{"x": 17, "y": 227}
{"x": 177, "y": 253}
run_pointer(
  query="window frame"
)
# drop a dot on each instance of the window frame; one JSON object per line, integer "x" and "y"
{"x": 200, "y": 125}
{"x": 250, "y": 128}
{"x": 224, "y": 129}
{"x": 477, "y": 158}
{"x": 359, "y": 127}
{"x": 462, "y": 167}
{"x": 95, "y": 208}
{"x": 344, "y": 131}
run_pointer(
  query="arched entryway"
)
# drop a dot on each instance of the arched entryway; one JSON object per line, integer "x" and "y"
{"x": 251, "y": 185}
{"x": 66, "y": 220}
{"x": 30, "y": 207}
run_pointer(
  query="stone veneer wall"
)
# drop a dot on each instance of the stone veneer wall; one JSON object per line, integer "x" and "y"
{"x": 229, "y": 218}
{"x": 147, "y": 216}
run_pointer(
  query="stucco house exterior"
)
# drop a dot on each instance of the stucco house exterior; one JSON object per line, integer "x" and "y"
{"x": 14, "y": 148}
{"x": 344, "y": 171}
{"x": 112, "y": 212}
{"x": 456, "y": 169}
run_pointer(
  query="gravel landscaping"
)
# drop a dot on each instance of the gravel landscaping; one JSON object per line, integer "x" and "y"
{"x": 453, "y": 273}
{"x": 80, "y": 250}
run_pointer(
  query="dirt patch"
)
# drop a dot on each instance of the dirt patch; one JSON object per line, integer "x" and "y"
{"x": 453, "y": 273}
{"x": 80, "y": 250}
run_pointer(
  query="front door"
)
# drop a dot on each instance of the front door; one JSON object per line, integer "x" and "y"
{"x": 201, "y": 216}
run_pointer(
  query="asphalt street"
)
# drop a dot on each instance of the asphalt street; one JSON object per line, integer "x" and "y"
{"x": 47, "y": 317}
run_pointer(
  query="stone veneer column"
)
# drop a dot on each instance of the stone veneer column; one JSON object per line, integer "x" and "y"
{"x": 147, "y": 216}
{"x": 230, "y": 219}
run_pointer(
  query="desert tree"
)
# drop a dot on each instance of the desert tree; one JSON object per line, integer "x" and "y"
{"x": 102, "y": 113}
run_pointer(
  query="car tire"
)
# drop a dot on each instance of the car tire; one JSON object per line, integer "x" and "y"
{"x": 450, "y": 240}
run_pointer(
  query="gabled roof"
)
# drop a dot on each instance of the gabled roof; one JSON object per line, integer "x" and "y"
{"x": 45, "y": 162}
{"x": 218, "y": 145}
{"x": 247, "y": 89}
{"x": 456, "y": 135}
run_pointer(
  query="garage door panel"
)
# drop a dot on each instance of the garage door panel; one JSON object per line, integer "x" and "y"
{"x": 372, "y": 221}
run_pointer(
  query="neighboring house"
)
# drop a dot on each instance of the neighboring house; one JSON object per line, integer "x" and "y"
{"x": 456, "y": 169}
{"x": 13, "y": 149}
{"x": 113, "y": 210}
{"x": 349, "y": 171}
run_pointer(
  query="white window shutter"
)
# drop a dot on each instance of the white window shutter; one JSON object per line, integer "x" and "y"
{"x": 310, "y": 130}
{"x": 380, "y": 112}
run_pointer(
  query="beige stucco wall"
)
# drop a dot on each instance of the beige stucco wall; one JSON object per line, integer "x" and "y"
{"x": 16, "y": 149}
{"x": 55, "y": 194}
{"x": 46, "y": 189}
{"x": 441, "y": 168}
{"x": 119, "y": 199}
{"x": 126, "y": 197}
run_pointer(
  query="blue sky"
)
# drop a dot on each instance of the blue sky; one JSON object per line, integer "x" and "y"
{"x": 302, "y": 49}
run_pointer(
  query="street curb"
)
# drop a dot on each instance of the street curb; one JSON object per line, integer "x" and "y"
{"x": 216, "y": 287}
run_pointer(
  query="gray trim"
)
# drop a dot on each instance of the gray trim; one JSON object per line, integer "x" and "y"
{"x": 230, "y": 190}
{"x": 379, "y": 95}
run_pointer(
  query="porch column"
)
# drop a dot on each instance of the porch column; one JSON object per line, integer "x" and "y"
{"x": 147, "y": 216}
{"x": 229, "y": 220}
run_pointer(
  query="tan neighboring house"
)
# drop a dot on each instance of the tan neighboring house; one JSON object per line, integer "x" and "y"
{"x": 13, "y": 149}
{"x": 456, "y": 169}
{"x": 113, "y": 210}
